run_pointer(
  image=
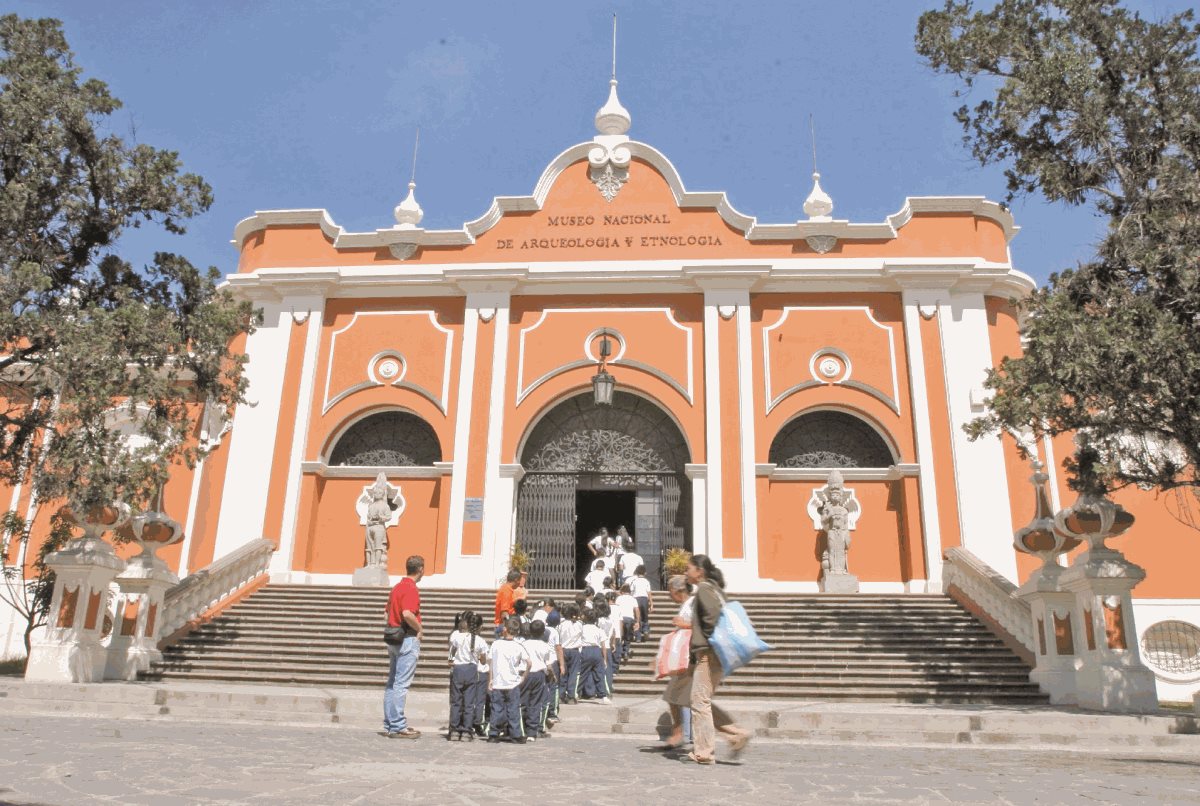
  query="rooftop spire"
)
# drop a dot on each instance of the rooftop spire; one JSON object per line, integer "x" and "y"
{"x": 818, "y": 205}
{"x": 408, "y": 213}
{"x": 612, "y": 118}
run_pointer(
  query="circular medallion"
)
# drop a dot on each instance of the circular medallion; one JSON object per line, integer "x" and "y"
{"x": 830, "y": 367}
{"x": 388, "y": 368}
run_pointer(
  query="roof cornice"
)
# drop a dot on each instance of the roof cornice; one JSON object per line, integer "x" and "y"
{"x": 749, "y": 226}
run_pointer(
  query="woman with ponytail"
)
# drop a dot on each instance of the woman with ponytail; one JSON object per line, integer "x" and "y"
{"x": 706, "y": 670}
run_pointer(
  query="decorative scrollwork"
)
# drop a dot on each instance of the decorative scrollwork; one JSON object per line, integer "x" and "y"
{"x": 829, "y": 439}
{"x": 630, "y": 436}
{"x": 388, "y": 439}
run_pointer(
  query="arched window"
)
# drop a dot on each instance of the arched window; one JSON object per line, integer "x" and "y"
{"x": 829, "y": 439}
{"x": 388, "y": 439}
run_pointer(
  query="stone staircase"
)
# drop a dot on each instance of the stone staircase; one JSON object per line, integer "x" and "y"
{"x": 912, "y": 648}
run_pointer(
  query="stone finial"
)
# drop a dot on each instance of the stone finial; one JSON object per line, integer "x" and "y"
{"x": 1041, "y": 537}
{"x": 818, "y": 205}
{"x": 612, "y": 118}
{"x": 408, "y": 213}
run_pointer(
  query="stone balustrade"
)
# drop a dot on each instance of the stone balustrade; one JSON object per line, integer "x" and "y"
{"x": 989, "y": 594}
{"x": 196, "y": 594}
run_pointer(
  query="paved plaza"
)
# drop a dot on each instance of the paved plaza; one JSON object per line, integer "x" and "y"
{"x": 64, "y": 760}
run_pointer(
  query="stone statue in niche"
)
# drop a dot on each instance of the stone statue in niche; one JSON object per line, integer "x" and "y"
{"x": 379, "y": 507}
{"x": 837, "y": 511}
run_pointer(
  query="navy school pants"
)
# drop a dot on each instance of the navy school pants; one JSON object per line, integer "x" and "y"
{"x": 570, "y": 680}
{"x": 479, "y": 699}
{"x": 534, "y": 703}
{"x": 463, "y": 679}
{"x": 626, "y": 636}
{"x": 591, "y": 673}
{"x": 644, "y": 612}
{"x": 506, "y": 713}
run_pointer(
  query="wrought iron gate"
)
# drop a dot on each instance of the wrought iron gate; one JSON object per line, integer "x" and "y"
{"x": 546, "y": 529}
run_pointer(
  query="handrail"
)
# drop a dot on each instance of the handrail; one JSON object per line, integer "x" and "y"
{"x": 199, "y": 591}
{"x": 966, "y": 577}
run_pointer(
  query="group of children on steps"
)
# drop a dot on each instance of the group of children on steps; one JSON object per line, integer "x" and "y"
{"x": 512, "y": 690}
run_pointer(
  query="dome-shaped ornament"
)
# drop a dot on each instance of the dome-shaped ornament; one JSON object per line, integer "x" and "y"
{"x": 612, "y": 118}
{"x": 408, "y": 213}
{"x": 818, "y": 205}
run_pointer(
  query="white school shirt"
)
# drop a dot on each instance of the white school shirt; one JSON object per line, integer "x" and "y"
{"x": 570, "y": 634}
{"x": 610, "y": 562}
{"x": 599, "y": 543}
{"x": 481, "y": 646}
{"x": 596, "y": 579}
{"x": 540, "y": 654}
{"x": 552, "y": 638}
{"x": 541, "y": 614}
{"x": 639, "y": 586}
{"x": 593, "y": 636}
{"x": 627, "y": 606}
{"x": 607, "y": 625}
{"x": 509, "y": 660}
{"x": 686, "y": 609}
{"x": 630, "y": 562}
{"x": 460, "y": 647}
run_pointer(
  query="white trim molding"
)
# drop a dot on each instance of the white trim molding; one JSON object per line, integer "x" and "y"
{"x": 931, "y": 530}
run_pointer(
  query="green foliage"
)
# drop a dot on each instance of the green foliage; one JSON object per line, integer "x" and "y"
{"x": 1089, "y": 104}
{"x": 28, "y": 583}
{"x": 91, "y": 345}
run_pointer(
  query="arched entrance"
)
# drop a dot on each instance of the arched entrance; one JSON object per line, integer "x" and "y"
{"x": 588, "y": 466}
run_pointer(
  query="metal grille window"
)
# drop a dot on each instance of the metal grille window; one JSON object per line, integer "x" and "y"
{"x": 1172, "y": 646}
{"x": 388, "y": 439}
{"x": 829, "y": 439}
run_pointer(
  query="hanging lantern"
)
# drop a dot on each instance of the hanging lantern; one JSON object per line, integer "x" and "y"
{"x": 603, "y": 382}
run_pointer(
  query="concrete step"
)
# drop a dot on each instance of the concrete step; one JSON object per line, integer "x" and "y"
{"x": 844, "y": 647}
{"x": 644, "y": 718}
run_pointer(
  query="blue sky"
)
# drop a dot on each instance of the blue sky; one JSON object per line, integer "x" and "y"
{"x": 298, "y": 104}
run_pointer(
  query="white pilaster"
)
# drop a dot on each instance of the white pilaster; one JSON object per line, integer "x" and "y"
{"x": 462, "y": 438}
{"x": 498, "y": 490}
{"x": 979, "y": 473}
{"x": 931, "y": 532}
{"x": 699, "y": 477}
{"x": 255, "y": 423}
{"x": 314, "y": 308}
{"x": 712, "y": 423}
{"x": 747, "y": 471}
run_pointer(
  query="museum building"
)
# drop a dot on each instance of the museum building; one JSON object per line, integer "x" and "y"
{"x": 615, "y": 349}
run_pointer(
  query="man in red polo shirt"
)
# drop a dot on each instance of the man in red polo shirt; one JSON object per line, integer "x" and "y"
{"x": 403, "y": 610}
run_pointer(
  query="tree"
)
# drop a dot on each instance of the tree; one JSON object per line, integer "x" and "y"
{"x": 93, "y": 349}
{"x": 1089, "y": 104}
{"x": 29, "y": 583}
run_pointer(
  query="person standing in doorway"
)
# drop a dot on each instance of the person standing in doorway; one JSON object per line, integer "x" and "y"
{"x": 403, "y": 610}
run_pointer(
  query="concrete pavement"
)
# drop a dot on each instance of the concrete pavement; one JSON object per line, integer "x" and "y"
{"x": 64, "y": 759}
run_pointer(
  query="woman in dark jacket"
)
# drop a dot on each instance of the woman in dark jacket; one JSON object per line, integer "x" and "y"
{"x": 706, "y": 669}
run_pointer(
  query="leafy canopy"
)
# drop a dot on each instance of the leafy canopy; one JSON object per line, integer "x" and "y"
{"x": 93, "y": 349}
{"x": 1087, "y": 103}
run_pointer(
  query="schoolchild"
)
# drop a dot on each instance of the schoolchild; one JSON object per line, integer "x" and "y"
{"x": 554, "y": 673}
{"x": 627, "y": 610}
{"x": 535, "y": 699}
{"x": 480, "y": 707}
{"x": 639, "y": 586}
{"x": 628, "y": 565}
{"x": 540, "y": 611}
{"x": 593, "y": 682}
{"x": 597, "y": 578}
{"x": 509, "y": 668}
{"x": 465, "y": 649}
{"x": 520, "y": 610}
{"x": 606, "y": 623}
{"x": 570, "y": 635}
{"x": 553, "y": 616}
{"x": 598, "y": 545}
{"x": 618, "y": 545}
